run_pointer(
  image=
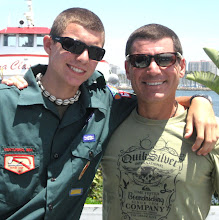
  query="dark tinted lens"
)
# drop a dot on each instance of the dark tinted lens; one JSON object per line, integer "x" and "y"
{"x": 140, "y": 61}
{"x": 73, "y": 46}
{"x": 96, "y": 53}
{"x": 77, "y": 47}
{"x": 165, "y": 59}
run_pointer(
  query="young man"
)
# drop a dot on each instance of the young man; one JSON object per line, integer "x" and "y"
{"x": 149, "y": 169}
{"x": 53, "y": 132}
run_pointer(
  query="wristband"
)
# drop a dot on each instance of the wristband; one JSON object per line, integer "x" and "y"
{"x": 201, "y": 95}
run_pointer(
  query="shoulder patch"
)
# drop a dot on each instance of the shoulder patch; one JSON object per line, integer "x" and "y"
{"x": 125, "y": 94}
{"x": 115, "y": 92}
{"x": 118, "y": 94}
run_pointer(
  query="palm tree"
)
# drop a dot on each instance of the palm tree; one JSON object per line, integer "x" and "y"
{"x": 207, "y": 79}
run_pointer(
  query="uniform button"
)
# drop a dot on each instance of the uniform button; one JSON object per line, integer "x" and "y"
{"x": 50, "y": 207}
{"x": 56, "y": 155}
{"x": 91, "y": 154}
{"x": 53, "y": 179}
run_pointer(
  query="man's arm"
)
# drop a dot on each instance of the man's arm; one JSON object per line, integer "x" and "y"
{"x": 200, "y": 115}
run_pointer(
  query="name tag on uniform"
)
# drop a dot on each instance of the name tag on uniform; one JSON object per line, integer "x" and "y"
{"x": 76, "y": 192}
{"x": 89, "y": 138}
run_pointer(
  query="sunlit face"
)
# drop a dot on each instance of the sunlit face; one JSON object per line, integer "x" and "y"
{"x": 154, "y": 83}
{"x": 70, "y": 69}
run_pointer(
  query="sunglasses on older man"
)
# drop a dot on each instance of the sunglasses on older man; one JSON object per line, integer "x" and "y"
{"x": 144, "y": 60}
{"x": 77, "y": 47}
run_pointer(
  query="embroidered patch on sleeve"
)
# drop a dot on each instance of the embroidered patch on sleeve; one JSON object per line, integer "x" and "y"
{"x": 89, "y": 138}
{"x": 76, "y": 192}
{"x": 125, "y": 94}
{"x": 114, "y": 91}
{"x": 19, "y": 163}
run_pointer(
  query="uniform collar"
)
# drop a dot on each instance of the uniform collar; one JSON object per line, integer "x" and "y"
{"x": 90, "y": 90}
{"x": 32, "y": 94}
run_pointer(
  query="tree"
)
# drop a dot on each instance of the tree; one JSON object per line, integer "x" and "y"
{"x": 207, "y": 79}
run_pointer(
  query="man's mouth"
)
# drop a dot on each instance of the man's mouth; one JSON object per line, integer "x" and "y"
{"x": 153, "y": 83}
{"x": 75, "y": 69}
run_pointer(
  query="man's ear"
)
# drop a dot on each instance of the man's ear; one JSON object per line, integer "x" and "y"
{"x": 127, "y": 66}
{"x": 47, "y": 42}
{"x": 182, "y": 66}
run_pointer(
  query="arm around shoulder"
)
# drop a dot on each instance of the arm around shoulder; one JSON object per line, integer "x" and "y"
{"x": 201, "y": 117}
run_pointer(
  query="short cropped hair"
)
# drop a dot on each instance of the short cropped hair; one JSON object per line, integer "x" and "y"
{"x": 80, "y": 16}
{"x": 153, "y": 32}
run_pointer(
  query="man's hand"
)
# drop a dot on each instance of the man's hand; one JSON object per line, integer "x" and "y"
{"x": 17, "y": 81}
{"x": 201, "y": 116}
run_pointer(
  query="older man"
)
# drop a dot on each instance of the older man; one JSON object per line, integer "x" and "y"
{"x": 149, "y": 168}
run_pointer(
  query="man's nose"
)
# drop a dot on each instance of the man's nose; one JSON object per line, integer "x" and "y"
{"x": 153, "y": 67}
{"x": 84, "y": 56}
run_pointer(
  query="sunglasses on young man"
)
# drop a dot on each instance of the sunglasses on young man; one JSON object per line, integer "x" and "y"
{"x": 77, "y": 47}
{"x": 144, "y": 60}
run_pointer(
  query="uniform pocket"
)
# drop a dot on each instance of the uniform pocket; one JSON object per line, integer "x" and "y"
{"x": 19, "y": 174}
{"x": 86, "y": 157}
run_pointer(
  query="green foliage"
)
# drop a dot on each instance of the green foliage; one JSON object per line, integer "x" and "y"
{"x": 213, "y": 55}
{"x": 207, "y": 79}
{"x": 215, "y": 199}
{"x": 95, "y": 194}
{"x": 90, "y": 200}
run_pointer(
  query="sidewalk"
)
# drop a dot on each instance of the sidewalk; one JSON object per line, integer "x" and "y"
{"x": 94, "y": 212}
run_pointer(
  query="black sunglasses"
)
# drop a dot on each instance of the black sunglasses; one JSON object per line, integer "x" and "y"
{"x": 144, "y": 60}
{"x": 77, "y": 47}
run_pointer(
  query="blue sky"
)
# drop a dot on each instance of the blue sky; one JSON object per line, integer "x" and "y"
{"x": 196, "y": 22}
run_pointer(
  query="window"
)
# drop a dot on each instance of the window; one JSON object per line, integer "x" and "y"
{"x": 25, "y": 40}
{"x": 40, "y": 40}
{"x": 9, "y": 40}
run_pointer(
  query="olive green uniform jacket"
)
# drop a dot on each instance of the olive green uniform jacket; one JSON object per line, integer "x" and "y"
{"x": 47, "y": 164}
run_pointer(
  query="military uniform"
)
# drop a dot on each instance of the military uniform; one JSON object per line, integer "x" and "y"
{"x": 47, "y": 163}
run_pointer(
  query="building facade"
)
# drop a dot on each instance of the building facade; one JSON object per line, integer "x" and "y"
{"x": 199, "y": 66}
{"x": 202, "y": 65}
